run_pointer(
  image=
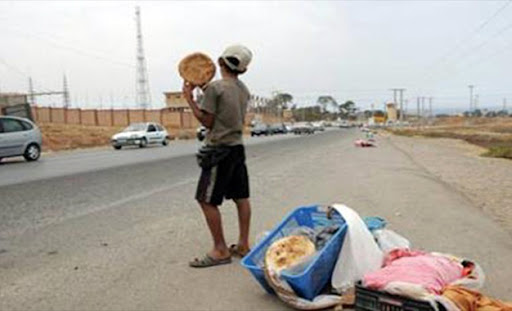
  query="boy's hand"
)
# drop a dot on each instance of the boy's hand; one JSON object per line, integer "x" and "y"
{"x": 187, "y": 89}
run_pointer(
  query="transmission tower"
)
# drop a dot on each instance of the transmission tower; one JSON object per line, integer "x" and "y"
{"x": 65, "y": 92}
{"x": 31, "y": 91}
{"x": 143, "y": 97}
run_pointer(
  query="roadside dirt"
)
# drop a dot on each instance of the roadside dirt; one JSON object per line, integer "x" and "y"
{"x": 485, "y": 181}
{"x": 58, "y": 137}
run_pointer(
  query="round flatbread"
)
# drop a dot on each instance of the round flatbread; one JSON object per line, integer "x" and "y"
{"x": 286, "y": 252}
{"x": 197, "y": 69}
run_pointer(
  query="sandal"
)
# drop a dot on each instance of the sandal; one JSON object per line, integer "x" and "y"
{"x": 235, "y": 251}
{"x": 208, "y": 261}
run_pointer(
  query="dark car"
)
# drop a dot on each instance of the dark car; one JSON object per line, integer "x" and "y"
{"x": 278, "y": 128}
{"x": 303, "y": 128}
{"x": 260, "y": 129}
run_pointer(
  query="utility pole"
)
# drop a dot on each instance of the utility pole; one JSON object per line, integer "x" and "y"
{"x": 65, "y": 91}
{"x": 143, "y": 96}
{"x": 418, "y": 107}
{"x": 430, "y": 107}
{"x": 401, "y": 92}
{"x": 471, "y": 97}
{"x": 31, "y": 92}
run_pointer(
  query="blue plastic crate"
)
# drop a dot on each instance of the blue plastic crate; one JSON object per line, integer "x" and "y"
{"x": 315, "y": 277}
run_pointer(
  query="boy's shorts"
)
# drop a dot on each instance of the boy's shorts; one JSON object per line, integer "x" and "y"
{"x": 228, "y": 179}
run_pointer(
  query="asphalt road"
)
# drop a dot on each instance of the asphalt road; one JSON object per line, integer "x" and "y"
{"x": 106, "y": 230}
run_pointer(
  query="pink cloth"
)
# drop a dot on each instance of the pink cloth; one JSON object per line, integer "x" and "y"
{"x": 363, "y": 143}
{"x": 430, "y": 271}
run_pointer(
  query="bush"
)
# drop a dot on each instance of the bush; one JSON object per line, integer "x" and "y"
{"x": 499, "y": 152}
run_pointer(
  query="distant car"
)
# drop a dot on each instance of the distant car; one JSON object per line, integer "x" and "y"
{"x": 201, "y": 133}
{"x": 19, "y": 137}
{"x": 260, "y": 129}
{"x": 303, "y": 128}
{"x": 141, "y": 134}
{"x": 278, "y": 128}
{"x": 289, "y": 127}
{"x": 319, "y": 126}
{"x": 344, "y": 124}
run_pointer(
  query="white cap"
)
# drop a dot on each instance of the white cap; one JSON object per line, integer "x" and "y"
{"x": 237, "y": 57}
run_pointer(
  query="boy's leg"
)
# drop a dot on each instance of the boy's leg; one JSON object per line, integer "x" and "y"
{"x": 244, "y": 221}
{"x": 214, "y": 221}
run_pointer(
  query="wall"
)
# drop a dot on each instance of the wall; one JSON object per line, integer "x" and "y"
{"x": 123, "y": 117}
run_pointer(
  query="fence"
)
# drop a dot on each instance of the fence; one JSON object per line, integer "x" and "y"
{"x": 115, "y": 117}
{"x": 123, "y": 117}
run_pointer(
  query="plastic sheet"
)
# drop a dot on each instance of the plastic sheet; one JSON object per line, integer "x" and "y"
{"x": 389, "y": 240}
{"x": 359, "y": 255}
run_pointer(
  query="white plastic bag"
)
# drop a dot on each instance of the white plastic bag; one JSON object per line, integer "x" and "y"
{"x": 359, "y": 254}
{"x": 389, "y": 240}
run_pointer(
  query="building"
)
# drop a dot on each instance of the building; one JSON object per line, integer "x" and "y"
{"x": 15, "y": 104}
{"x": 13, "y": 99}
{"x": 391, "y": 112}
{"x": 175, "y": 101}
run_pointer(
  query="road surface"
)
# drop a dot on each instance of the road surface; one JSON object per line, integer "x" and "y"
{"x": 106, "y": 230}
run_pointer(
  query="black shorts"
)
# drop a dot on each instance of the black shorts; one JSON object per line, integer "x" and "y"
{"x": 229, "y": 179}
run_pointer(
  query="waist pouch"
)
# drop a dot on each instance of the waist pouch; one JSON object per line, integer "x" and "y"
{"x": 210, "y": 156}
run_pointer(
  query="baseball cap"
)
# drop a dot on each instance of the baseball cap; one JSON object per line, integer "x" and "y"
{"x": 237, "y": 57}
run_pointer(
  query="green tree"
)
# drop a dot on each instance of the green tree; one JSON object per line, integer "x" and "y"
{"x": 347, "y": 109}
{"x": 278, "y": 102}
{"x": 326, "y": 101}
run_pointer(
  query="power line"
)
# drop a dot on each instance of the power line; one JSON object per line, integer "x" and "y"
{"x": 75, "y": 50}
{"x": 18, "y": 71}
{"x": 461, "y": 43}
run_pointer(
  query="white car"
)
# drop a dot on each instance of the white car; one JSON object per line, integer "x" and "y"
{"x": 141, "y": 134}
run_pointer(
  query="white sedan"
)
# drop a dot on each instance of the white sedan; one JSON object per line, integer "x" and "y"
{"x": 140, "y": 134}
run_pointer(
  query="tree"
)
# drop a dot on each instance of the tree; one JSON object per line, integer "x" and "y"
{"x": 347, "y": 109}
{"x": 327, "y": 101}
{"x": 278, "y": 102}
{"x": 283, "y": 99}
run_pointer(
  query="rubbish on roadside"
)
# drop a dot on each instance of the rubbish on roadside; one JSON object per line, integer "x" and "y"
{"x": 372, "y": 300}
{"x": 318, "y": 273}
{"x": 197, "y": 69}
{"x": 313, "y": 245}
{"x": 389, "y": 240}
{"x": 320, "y": 235}
{"x": 471, "y": 300}
{"x": 430, "y": 272}
{"x": 374, "y": 223}
{"x": 360, "y": 253}
{"x": 364, "y": 143}
{"x": 417, "y": 277}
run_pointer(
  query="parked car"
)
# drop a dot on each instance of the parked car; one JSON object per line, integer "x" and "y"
{"x": 344, "y": 124}
{"x": 201, "y": 133}
{"x": 141, "y": 134}
{"x": 260, "y": 129}
{"x": 303, "y": 128}
{"x": 19, "y": 137}
{"x": 319, "y": 126}
{"x": 278, "y": 128}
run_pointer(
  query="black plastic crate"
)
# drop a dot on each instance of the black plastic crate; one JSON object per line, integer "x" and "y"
{"x": 373, "y": 300}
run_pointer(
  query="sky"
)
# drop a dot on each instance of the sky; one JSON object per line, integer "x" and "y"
{"x": 351, "y": 50}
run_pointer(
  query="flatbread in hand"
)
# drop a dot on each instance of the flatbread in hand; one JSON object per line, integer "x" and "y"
{"x": 197, "y": 69}
{"x": 287, "y": 252}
